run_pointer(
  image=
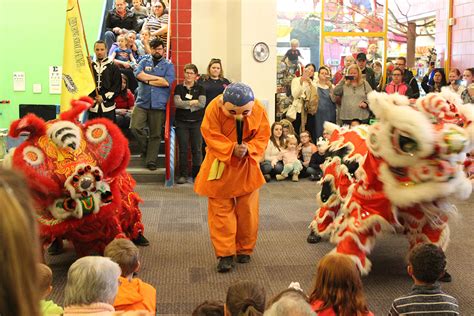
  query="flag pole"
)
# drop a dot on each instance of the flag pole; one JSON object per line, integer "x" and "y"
{"x": 89, "y": 59}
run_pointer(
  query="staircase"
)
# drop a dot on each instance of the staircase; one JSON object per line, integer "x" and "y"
{"x": 137, "y": 169}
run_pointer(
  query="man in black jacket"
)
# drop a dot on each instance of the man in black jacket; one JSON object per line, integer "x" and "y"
{"x": 108, "y": 80}
{"x": 367, "y": 73}
{"x": 408, "y": 77}
{"x": 119, "y": 21}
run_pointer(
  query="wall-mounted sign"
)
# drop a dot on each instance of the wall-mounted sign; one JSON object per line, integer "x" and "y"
{"x": 55, "y": 74}
{"x": 19, "y": 81}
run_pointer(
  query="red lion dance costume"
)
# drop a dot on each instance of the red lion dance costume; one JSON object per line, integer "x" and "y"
{"x": 78, "y": 180}
{"x": 395, "y": 175}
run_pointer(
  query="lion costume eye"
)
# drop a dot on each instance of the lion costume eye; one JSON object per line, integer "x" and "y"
{"x": 404, "y": 143}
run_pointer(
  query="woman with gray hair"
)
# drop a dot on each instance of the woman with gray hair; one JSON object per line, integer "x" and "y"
{"x": 291, "y": 301}
{"x": 92, "y": 284}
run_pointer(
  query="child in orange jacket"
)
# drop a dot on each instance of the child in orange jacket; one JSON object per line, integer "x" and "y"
{"x": 133, "y": 294}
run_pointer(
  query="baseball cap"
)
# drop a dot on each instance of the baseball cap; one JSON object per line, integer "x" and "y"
{"x": 361, "y": 56}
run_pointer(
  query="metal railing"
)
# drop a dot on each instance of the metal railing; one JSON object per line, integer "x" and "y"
{"x": 170, "y": 137}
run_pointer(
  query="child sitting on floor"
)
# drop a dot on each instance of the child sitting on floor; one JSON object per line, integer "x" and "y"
{"x": 289, "y": 156}
{"x": 306, "y": 149}
{"x": 317, "y": 158}
{"x": 45, "y": 278}
{"x": 133, "y": 294}
{"x": 426, "y": 266}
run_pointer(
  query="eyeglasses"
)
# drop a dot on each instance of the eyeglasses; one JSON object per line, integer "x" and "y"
{"x": 189, "y": 73}
{"x": 399, "y": 64}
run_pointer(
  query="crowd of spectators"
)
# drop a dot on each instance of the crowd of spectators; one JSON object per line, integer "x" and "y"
{"x": 317, "y": 96}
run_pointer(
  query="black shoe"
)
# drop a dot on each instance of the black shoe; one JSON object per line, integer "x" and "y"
{"x": 225, "y": 264}
{"x": 446, "y": 277}
{"x": 267, "y": 177}
{"x": 56, "y": 247}
{"x": 182, "y": 180}
{"x": 141, "y": 241}
{"x": 313, "y": 238}
{"x": 243, "y": 258}
{"x": 151, "y": 166}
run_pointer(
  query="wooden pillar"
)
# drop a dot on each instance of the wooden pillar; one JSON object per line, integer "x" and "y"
{"x": 411, "y": 43}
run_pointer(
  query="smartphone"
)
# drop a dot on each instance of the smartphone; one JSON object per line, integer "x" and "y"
{"x": 432, "y": 63}
{"x": 349, "y": 77}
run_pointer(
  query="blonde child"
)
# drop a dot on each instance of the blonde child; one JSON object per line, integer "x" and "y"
{"x": 291, "y": 163}
{"x": 45, "y": 278}
{"x": 133, "y": 293}
{"x": 123, "y": 55}
{"x": 293, "y": 54}
{"x": 143, "y": 44}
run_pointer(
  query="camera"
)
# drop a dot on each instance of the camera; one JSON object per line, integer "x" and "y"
{"x": 349, "y": 77}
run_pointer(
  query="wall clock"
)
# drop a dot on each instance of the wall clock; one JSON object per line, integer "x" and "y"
{"x": 261, "y": 51}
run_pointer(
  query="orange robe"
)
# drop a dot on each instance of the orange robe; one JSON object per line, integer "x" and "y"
{"x": 135, "y": 295}
{"x": 233, "y": 198}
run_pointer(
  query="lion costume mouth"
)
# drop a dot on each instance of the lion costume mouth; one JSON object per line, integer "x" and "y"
{"x": 435, "y": 171}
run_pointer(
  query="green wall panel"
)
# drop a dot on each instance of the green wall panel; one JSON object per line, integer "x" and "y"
{"x": 32, "y": 37}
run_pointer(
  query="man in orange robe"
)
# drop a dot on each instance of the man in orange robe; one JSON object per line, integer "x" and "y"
{"x": 230, "y": 175}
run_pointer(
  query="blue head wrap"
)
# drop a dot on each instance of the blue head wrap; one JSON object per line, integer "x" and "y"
{"x": 239, "y": 94}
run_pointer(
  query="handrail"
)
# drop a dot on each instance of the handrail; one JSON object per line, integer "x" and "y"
{"x": 169, "y": 139}
{"x": 169, "y": 133}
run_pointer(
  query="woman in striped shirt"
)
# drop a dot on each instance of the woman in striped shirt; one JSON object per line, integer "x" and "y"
{"x": 157, "y": 22}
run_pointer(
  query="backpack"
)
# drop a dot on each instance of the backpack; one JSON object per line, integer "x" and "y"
{"x": 311, "y": 101}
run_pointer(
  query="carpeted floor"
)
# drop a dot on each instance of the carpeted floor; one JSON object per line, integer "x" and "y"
{"x": 180, "y": 261}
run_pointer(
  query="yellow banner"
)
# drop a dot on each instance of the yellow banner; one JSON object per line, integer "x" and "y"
{"x": 77, "y": 77}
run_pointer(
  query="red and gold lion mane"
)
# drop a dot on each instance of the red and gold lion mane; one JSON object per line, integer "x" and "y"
{"x": 76, "y": 173}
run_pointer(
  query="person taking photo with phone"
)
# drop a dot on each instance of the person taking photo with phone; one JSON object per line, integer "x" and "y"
{"x": 302, "y": 89}
{"x": 353, "y": 90}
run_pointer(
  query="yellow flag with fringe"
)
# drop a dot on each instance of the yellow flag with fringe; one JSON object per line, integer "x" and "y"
{"x": 77, "y": 77}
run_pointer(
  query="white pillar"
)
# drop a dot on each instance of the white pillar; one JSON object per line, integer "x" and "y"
{"x": 229, "y": 30}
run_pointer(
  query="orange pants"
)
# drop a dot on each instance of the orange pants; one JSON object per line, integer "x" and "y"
{"x": 233, "y": 224}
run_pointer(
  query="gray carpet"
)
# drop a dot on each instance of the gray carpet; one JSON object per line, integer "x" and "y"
{"x": 180, "y": 261}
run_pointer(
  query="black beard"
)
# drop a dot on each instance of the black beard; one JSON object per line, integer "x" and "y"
{"x": 157, "y": 57}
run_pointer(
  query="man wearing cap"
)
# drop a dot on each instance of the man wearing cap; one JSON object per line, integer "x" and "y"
{"x": 230, "y": 174}
{"x": 367, "y": 73}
